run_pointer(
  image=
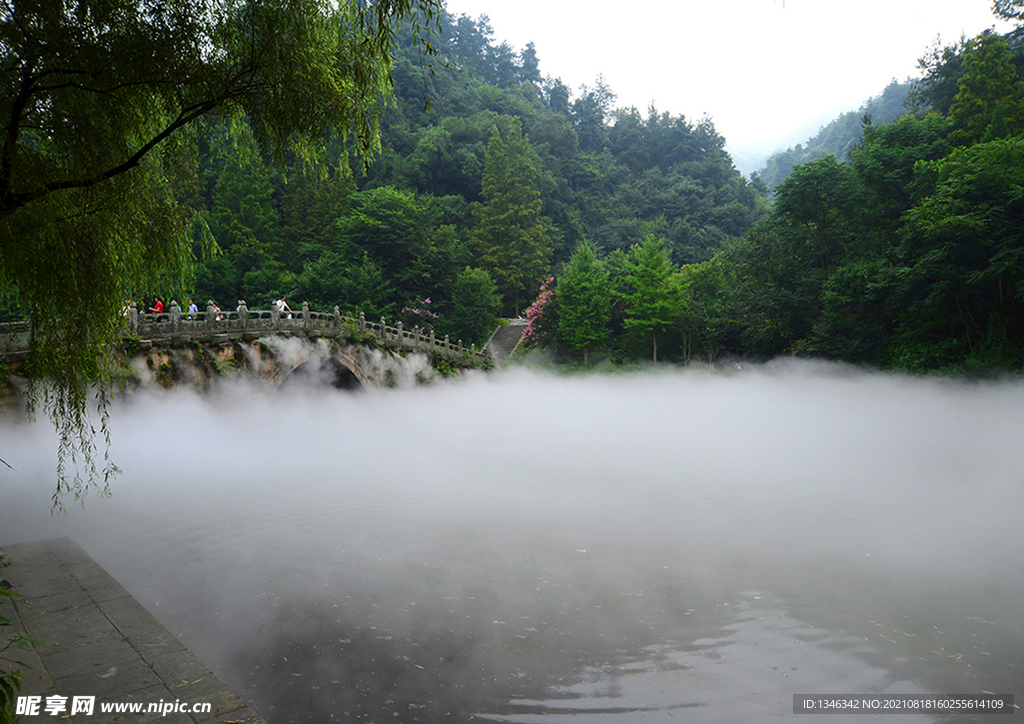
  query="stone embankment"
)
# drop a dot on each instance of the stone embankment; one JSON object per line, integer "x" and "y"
{"x": 276, "y": 361}
{"x": 102, "y": 649}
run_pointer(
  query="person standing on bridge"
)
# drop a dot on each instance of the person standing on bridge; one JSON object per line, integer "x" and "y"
{"x": 282, "y": 306}
{"x": 158, "y": 307}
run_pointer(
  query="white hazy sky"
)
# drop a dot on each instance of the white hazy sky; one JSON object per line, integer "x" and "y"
{"x": 759, "y": 68}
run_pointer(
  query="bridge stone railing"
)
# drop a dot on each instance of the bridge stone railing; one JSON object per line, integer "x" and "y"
{"x": 176, "y": 328}
{"x": 14, "y": 338}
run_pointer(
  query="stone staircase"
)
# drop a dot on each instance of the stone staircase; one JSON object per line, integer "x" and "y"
{"x": 504, "y": 340}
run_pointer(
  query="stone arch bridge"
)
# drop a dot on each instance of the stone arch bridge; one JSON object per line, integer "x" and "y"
{"x": 343, "y": 350}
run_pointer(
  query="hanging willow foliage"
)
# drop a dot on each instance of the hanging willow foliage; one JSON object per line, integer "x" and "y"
{"x": 98, "y": 99}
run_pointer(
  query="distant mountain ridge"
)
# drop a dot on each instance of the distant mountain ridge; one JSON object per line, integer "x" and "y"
{"x": 838, "y": 137}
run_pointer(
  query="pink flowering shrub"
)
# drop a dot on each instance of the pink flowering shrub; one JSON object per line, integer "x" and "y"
{"x": 420, "y": 316}
{"x": 542, "y": 317}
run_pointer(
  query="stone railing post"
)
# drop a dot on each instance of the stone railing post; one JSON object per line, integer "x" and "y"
{"x": 243, "y": 313}
{"x": 362, "y": 322}
{"x": 275, "y": 316}
{"x": 460, "y": 346}
{"x": 447, "y": 344}
{"x": 433, "y": 341}
{"x": 175, "y": 316}
{"x": 337, "y": 318}
{"x": 305, "y": 315}
{"x": 133, "y": 319}
{"x": 211, "y": 316}
{"x": 398, "y": 326}
{"x": 383, "y": 330}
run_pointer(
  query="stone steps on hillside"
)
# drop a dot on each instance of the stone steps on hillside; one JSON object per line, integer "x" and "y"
{"x": 504, "y": 340}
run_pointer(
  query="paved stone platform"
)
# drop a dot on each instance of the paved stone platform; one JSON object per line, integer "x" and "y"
{"x": 101, "y": 642}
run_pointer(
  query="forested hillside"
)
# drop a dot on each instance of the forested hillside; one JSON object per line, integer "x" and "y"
{"x": 838, "y": 137}
{"x": 910, "y": 256}
{"x": 496, "y": 191}
{"x": 488, "y": 177}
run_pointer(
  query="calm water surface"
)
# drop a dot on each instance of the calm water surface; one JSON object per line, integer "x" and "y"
{"x": 527, "y": 548}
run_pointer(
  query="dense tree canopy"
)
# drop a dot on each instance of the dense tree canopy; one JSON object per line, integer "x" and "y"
{"x": 99, "y": 101}
{"x": 906, "y": 253}
{"x": 510, "y": 186}
{"x": 840, "y": 136}
{"x": 990, "y": 98}
{"x": 231, "y": 151}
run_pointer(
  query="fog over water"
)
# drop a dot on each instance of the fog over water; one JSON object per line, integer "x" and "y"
{"x": 525, "y": 547}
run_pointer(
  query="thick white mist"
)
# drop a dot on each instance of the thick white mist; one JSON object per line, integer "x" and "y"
{"x": 845, "y": 500}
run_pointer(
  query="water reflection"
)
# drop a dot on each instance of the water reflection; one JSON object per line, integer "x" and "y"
{"x": 533, "y": 549}
{"x": 740, "y": 673}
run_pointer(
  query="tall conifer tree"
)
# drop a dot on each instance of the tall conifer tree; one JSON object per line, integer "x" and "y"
{"x": 990, "y": 100}
{"x": 244, "y": 219}
{"x": 509, "y": 239}
{"x": 584, "y": 295}
{"x": 653, "y": 302}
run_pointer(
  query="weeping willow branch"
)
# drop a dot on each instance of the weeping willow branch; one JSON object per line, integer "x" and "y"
{"x": 98, "y": 101}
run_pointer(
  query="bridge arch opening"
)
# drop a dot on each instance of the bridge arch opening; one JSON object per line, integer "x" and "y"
{"x": 324, "y": 372}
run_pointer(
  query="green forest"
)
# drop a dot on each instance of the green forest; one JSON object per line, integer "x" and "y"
{"x": 494, "y": 190}
{"x": 394, "y": 160}
{"x": 906, "y": 254}
{"x": 487, "y": 178}
{"x": 839, "y": 137}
